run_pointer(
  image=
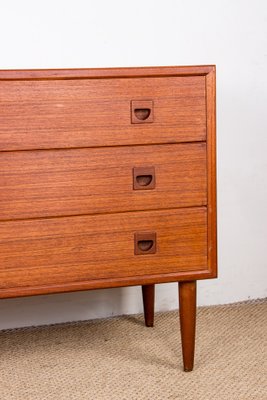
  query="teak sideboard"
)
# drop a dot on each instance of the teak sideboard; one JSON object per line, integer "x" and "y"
{"x": 108, "y": 179}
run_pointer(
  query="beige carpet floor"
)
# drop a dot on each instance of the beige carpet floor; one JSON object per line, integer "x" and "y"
{"x": 119, "y": 358}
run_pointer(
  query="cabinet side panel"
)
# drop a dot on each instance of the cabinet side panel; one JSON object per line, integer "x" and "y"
{"x": 211, "y": 167}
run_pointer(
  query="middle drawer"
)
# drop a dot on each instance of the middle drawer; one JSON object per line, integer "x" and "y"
{"x": 44, "y": 183}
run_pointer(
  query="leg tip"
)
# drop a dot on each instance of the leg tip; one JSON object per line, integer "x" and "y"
{"x": 186, "y": 369}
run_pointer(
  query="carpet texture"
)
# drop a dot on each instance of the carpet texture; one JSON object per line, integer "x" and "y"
{"x": 119, "y": 358}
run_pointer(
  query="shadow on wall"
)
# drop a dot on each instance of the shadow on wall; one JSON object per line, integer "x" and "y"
{"x": 65, "y": 307}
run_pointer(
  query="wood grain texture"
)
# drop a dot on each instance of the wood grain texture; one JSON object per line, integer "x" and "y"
{"x": 211, "y": 168}
{"x": 87, "y": 181}
{"x": 76, "y": 249}
{"x": 46, "y": 103}
{"x": 148, "y": 293}
{"x": 95, "y": 73}
{"x": 157, "y": 278}
{"x": 45, "y": 114}
{"x": 187, "y": 311}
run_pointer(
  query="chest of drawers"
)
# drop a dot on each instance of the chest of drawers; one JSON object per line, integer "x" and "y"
{"x": 107, "y": 180}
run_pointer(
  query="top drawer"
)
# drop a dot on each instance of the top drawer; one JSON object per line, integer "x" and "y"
{"x": 59, "y": 113}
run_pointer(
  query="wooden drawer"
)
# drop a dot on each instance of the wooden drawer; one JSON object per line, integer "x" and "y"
{"x": 72, "y": 249}
{"x": 42, "y": 114}
{"x": 86, "y": 181}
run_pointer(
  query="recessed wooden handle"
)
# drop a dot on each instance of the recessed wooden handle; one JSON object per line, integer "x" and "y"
{"x": 145, "y": 243}
{"x": 142, "y": 111}
{"x": 144, "y": 178}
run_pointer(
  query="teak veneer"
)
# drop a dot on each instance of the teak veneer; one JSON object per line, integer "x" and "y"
{"x": 108, "y": 179}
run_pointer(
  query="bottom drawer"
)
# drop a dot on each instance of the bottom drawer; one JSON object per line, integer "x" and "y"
{"x": 65, "y": 250}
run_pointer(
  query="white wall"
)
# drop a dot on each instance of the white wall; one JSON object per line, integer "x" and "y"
{"x": 231, "y": 34}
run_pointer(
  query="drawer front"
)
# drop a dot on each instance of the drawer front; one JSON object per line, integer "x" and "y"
{"x": 43, "y": 114}
{"x": 87, "y": 181}
{"x": 76, "y": 249}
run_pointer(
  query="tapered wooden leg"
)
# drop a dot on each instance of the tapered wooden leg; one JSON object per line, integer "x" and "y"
{"x": 148, "y": 292}
{"x": 187, "y": 310}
